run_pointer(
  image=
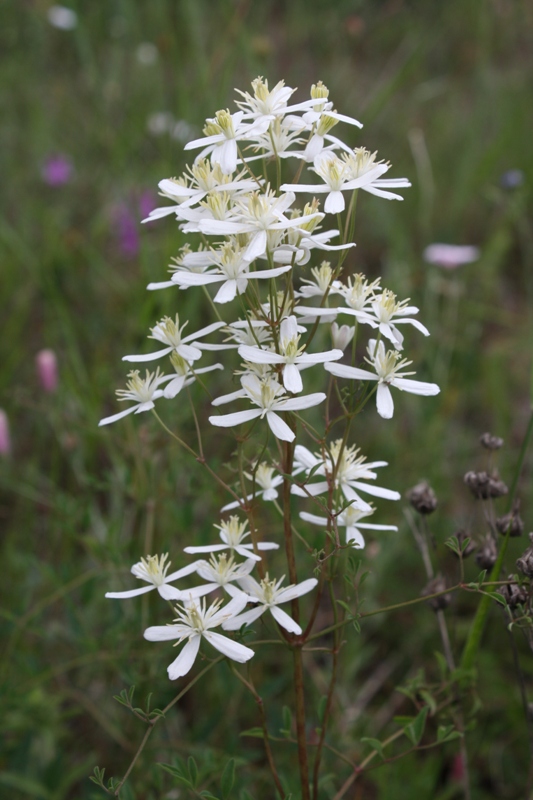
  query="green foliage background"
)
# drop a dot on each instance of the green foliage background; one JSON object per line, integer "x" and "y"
{"x": 443, "y": 91}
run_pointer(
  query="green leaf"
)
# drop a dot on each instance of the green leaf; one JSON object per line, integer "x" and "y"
{"x": 447, "y": 733}
{"x": 256, "y": 732}
{"x": 176, "y": 770}
{"x": 287, "y": 721}
{"x": 207, "y": 795}
{"x": 429, "y": 699}
{"x": 193, "y": 770}
{"x": 322, "y": 707}
{"x": 228, "y": 778}
{"x": 415, "y": 730}
{"x": 375, "y": 744}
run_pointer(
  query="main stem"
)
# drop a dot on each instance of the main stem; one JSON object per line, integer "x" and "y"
{"x": 297, "y": 648}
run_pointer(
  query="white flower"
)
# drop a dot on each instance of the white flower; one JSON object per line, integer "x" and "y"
{"x": 153, "y": 570}
{"x": 350, "y": 471}
{"x": 220, "y": 571}
{"x": 267, "y": 104}
{"x": 266, "y": 486}
{"x": 269, "y": 594}
{"x": 170, "y": 334}
{"x": 268, "y": 395}
{"x": 349, "y": 519}
{"x": 385, "y": 313}
{"x": 387, "y": 373}
{"x": 233, "y": 533}
{"x": 143, "y": 392}
{"x": 290, "y": 355}
{"x": 451, "y": 256}
{"x": 185, "y": 375}
{"x": 221, "y": 134}
{"x": 257, "y": 214}
{"x": 194, "y": 623}
{"x": 357, "y": 170}
{"x": 191, "y": 189}
{"x": 232, "y": 270}
{"x": 323, "y": 282}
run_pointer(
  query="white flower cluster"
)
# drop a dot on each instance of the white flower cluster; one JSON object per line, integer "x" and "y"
{"x": 256, "y": 243}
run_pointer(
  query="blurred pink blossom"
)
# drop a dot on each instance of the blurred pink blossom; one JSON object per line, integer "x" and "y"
{"x": 57, "y": 170}
{"x": 5, "y": 441}
{"x": 127, "y": 231}
{"x": 46, "y": 363}
{"x": 450, "y": 256}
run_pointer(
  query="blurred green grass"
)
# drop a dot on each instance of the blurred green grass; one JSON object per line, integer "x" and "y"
{"x": 444, "y": 93}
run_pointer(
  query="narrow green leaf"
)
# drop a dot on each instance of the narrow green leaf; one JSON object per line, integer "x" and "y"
{"x": 375, "y": 744}
{"x": 228, "y": 778}
{"x": 415, "y": 730}
{"x": 193, "y": 770}
{"x": 256, "y": 732}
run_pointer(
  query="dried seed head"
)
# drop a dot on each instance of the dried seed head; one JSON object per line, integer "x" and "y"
{"x": 525, "y": 562}
{"x": 482, "y": 485}
{"x": 511, "y": 522}
{"x": 490, "y": 442}
{"x": 422, "y": 498}
{"x": 513, "y": 593}
{"x": 487, "y": 554}
{"x": 435, "y": 585}
{"x": 461, "y": 537}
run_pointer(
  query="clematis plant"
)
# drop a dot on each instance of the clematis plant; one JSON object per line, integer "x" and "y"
{"x": 250, "y": 257}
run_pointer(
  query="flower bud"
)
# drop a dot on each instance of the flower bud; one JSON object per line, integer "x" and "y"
{"x": 513, "y": 594}
{"x": 490, "y": 442}
{"x": 511, "y": 523}
{"x": 482, "y": 485}
{"x": 422, "y": 498}
{"x": 435, "y": 585}
{"x": 341, "y": 336}
{"x": 46, "y": 363}
{"x": 5, "y": 440}
{"x": 487, "y": 554}
{"x": 525, "y": 562}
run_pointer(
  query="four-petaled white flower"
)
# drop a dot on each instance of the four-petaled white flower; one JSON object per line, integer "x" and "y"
{"x": 232, "y": 270}
{"x": 269, "y": 395}
{"x": 170, "y": 334}
{"x": 387, "y": 373}
{"x": 233, "y": 533}
{"x": 266, "y": 486}
{"x": 350, "y": 470}
{"x": 269, "y": 595}
{"x": 153, "y": 570}
{"x": 219, "y": 572}
{"x": 384, "y": 313}
{"x": 194, "y": 623}
{"x": 221, "y": 134}
{"x": 349, "y": 519}
{"x": 291, "y": 355}
{"x": 142, "y": 391}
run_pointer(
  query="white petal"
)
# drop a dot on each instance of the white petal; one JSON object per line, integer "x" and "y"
{"x": 279, "y": 428}
{"x": 183, "y": 663}
{"x": 164, "y": 633}
{"x": 291, "y": 592}
{"x": 115, "y": 417}
{"x": 334, "y": 203}
{"x": 244, "y": 619}
{"x": 299, "y": 403}
{"x": 228, "y": 420}
{"x": 130, "y": 592}
{"x": 173, "y": 388}
{"x": 183, "y": 278}
{"x": 227, "y": 292}
{"x": 257, "y": 246}
{"x": 355, "y": 538}
{"x": 258, "y": 356}
{"x": 344, "y": 371}
{"x": 205, "y": 548}
{"x": 376, "y": 491}
{"x": 234, "y": 650}
{"x": 416, "y": 387}
{"x": 292, "y": 380}
{"x": 149, "y": 356}
{"x": 384, "y": 401}
{"x": 283, "y": 619}
{"x": 313, "y": 518}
